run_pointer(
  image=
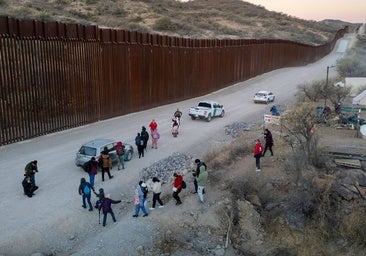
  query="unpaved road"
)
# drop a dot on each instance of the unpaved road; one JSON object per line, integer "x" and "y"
{"x": 53, "y": 221}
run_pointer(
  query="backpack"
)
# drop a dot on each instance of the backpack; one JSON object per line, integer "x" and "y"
{"x": 120, "y": 151}
{"x": 87, "y": 166}
{"x": 86, "y": 190}
{"x": 105, "y": 161}
{"x": 184, "y": 184}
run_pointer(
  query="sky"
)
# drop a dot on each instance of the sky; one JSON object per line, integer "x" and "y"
{"x": 346, "y": 10}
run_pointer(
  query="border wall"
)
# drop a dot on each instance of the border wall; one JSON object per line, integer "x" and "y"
{"x": 56, "y": 76}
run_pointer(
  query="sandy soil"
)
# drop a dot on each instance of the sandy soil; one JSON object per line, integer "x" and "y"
{"x": 53, "y": 221}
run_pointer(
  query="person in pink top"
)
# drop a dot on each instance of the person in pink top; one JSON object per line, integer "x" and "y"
{"x": 155, "y": 137}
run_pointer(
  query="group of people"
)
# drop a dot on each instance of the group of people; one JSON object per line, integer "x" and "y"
{"x": 258, "y": 148}
{"x": 143, "y": 137}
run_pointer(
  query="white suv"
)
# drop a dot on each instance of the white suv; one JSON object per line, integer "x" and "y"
{"x": 264, "y": 97}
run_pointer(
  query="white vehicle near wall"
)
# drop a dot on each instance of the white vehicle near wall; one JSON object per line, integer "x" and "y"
{"x": 206, "y": 110}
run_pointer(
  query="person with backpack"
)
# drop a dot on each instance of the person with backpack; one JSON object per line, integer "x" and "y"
{"x": 91, "y": 167}
{"x": 177, "y": 187}
{"x": 106, "y": 163}
{"x": 140, "y": 201}
{"x": 144, "y": 136}
{"x": 155, "y": 137}
{"x": 258, "y": 149}
{"x": 196, "y": 173}
{"x": 120, "y": 150}
{"x": 140, "y": 145}
{"x": 106, "y": 206}
{"x": 85, "y": 189}
{"x": 145, "y": 191}
{"x": 156, "y": 189}
{"x": 30, "y": 170}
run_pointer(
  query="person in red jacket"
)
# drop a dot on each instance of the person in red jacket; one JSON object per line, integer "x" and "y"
{"x": 258, "y": 149}
{"x": 177, "y": 187}
{"x": 153, "y": 125}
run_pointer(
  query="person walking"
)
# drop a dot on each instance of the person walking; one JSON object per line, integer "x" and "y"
{"x": 140, "y": 145}
{"x": 28, "y": 187}
{"x": 177, "y": 187}
{"x": 91, "y": 167}
{"x": 153, "y": 125}
{"x": 258, "y": 149}
{"x": 100, "y": 196}
{"x": 144, "y": 137}
{"x": 106, "y": 207}
{"x": 178, "y": 114}
{"x": 30, "y": 170}
{"x": 106, "y": 163}
{"x": 269, "y": 141}
{"x": 196, "y": 173}
{"x": 120, "y": 151}
{"x": 139, "y": 201}
{"x": 201, "y": 181}
{"x": 85, "y": 189}
{"x": 156, "y": 189}
{"x": 155, "y": 137}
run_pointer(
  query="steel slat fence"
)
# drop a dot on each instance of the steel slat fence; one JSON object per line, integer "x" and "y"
{"x": 56, "y": 76}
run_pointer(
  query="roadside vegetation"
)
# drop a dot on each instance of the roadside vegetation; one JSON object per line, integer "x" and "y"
{"x": 194, "y": 19}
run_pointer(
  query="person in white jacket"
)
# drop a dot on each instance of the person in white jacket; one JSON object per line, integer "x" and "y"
{"x": 156, "y": 189}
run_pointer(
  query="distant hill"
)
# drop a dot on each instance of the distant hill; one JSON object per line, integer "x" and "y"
{"x": 195, "y": 19}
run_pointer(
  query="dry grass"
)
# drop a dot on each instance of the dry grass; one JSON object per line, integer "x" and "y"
{"x": 194, "y": 19}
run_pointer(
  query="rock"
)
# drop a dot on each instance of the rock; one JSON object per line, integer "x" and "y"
{"x": 254, "y": 200}
{"x": 140, "y": 250}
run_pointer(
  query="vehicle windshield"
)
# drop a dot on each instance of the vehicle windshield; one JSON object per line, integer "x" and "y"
{"x": 88, "y": 151}
{"x": 204, "y": 104}
{"x": 260, "y": 94}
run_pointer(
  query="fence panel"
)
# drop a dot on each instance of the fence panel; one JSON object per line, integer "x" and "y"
{"x": 56, "y": 76}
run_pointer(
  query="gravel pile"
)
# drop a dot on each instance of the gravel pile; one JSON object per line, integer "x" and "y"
{"x": 165, "y": 168}
{"x": 235, "y": 129}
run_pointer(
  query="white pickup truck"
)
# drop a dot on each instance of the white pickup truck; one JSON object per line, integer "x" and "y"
{"x": 207, "y": 110}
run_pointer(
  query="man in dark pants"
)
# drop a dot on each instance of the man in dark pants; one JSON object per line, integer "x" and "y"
{"x": 196, "y": 173}
{"x": 30, "y": 170}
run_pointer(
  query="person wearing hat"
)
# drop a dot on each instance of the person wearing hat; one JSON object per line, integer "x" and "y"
{"x": 196, "y": 173}
{"x": 106, "y": 206}
{"x": 258, "y": 149}
{"x": 30, "y": 170}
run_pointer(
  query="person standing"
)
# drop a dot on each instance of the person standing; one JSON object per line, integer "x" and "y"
{"x": 30, "y": 170}
{"x": 106, "y": 206}
{"x": 177, "y": 187}
{"x": 153, "y": 125}
{"x": 139, "y": 201}
{"x": 106, "y": 163}
{"x": 178, "y": 114}
{"x": 269, "y": 141}
{"x": 140, "y": 145}
{"x": 156, "y": 189}
{"x": 202, "y": 180}
{"x": 258, "y": 149}
{"x": 120, "y": 151}
{"x": 196, "y": 173}
{"x": 155, "y": 137}
{"x": 85, "y": 189}
{"x": 144, "y": 136}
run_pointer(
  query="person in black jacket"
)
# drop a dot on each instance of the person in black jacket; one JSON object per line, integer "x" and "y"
{"x": 28, "y": 186}
{"x": 269, "y": 142}
{"x": 106, "y": 207}
{"x": 85, "y": 190}
{"x": 196, "y": 173}
{"x": 144, "y": 136}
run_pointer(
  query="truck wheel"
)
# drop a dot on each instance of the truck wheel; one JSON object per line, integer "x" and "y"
{"x": 208, "y": 118}
{"x": 128, "y": 156}
{"x": 192, "y": 117}
{"x": 222, "y": 113}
